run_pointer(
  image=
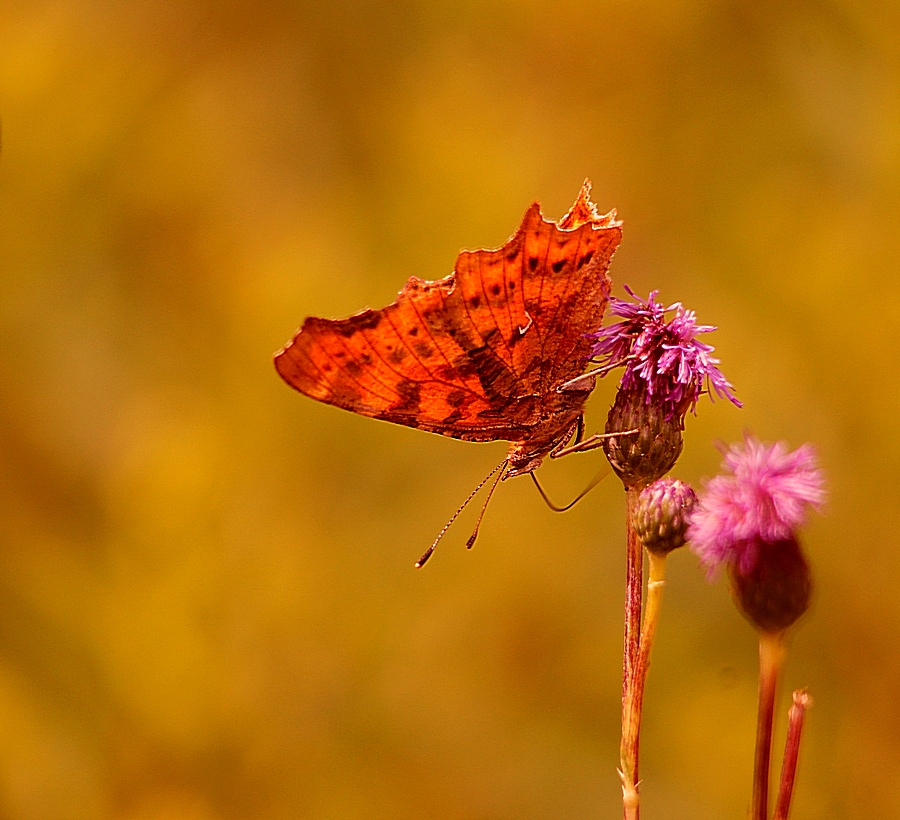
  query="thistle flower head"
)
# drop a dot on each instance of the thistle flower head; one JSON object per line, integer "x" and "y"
{"x": 664, "y": 360}
{"x": 748, "y": 519}
{"x": 763, "y": 495}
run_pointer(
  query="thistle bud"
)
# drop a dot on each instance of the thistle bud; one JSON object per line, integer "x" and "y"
{"x": 775, "y": 590}
{"x": 640, "y": 458}
{"x": 662, "y": 514}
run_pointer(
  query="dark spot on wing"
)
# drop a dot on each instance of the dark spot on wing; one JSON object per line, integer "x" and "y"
{"x": 396, "y": 355}
{"x": 456, "y": 397}
{"x": 409, "y": 393}
{"x": 495, "y": 377}
{"x": 452, "y": 418}
{"x": 461, "y": 368}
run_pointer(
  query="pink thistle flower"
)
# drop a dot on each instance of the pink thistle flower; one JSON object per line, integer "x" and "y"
{"x": 664, "y": 360}
{"x": 763, "y": 496}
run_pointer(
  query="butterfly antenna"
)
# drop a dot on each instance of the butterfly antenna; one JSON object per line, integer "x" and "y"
{"x": 471, "y": 542}
{"x": 501, "y": 468}
{"x": 555, "y": 507}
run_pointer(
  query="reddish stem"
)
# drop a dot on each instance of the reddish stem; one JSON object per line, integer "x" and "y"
{"x": 631, "y": 717}
{"x": 771, "y": 655}
{"x": 802, "y": 702}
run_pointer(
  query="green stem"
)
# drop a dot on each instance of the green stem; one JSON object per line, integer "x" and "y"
{"x": 771, "y": 658}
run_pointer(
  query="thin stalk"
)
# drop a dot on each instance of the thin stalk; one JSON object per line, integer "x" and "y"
{"x": 771, "y": 658}
{"x": 628, "y": 750}
{"x": 631, "y": 736}
{"x": 802, "y": 702}
{"x": 656, "y": 585}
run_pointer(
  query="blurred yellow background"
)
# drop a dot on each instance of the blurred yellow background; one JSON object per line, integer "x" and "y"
{"x": 207, "y": 601}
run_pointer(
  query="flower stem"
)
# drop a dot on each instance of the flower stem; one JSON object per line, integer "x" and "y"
{"x": 631, "y": 702}
{"x": 802, "y": 702}
{"x": 631, "y": 733}
{"x": 656, "y": 584}
{"x": 771, "y": 658}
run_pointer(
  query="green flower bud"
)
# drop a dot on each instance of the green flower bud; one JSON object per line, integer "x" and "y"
{"x": 663, "y": 513}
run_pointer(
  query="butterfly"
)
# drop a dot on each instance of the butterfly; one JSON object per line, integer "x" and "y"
{"x": 487, "y": 353}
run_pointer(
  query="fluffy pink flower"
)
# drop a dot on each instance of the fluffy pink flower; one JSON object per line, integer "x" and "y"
{"x": 762, "y": 496}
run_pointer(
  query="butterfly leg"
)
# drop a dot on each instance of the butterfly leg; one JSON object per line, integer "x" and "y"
{"x": 590, "y": 443}
{"x": 579, "y": 429}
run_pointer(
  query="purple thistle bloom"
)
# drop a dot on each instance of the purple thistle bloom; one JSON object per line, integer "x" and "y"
{"x": 665, "y": 358}
{"x": 762, "y": 497}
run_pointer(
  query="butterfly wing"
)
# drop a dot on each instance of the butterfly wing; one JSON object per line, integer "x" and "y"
{"x": 531, "y": 302}
{"x": 402, "y": 364}
{"x": 480, "y": 354}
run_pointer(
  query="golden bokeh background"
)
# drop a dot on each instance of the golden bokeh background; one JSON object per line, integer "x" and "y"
{"x": 207, "y": 601}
